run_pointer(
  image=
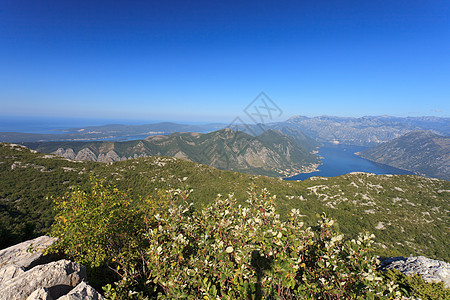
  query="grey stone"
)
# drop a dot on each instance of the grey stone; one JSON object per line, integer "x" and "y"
{"x": 86, "y": 154}
{"x": 68, "y": 153}
{"x": 9, "y": 272}
{"x": 429, "y": 269}
{"x": 110, "y": 156}
{"x": 40, "y": 294}
{"x": 58, "y": 277}
{"x": 16, "y": 259}
{"x": 82, "y": 291}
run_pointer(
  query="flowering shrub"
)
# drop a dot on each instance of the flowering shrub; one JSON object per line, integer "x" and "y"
{"x": 224, "y": 251}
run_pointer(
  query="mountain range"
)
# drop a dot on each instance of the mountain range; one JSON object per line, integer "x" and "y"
{"x": 279, "y": 149}
{"x": 364, "y": 131}
{"x": 272, "y": 153}
{"x": 422, "y": 152}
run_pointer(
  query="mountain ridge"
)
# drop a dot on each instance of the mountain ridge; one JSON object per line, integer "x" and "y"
{"x": 422, "y": 152}
{"x": 272, "y": 153}
{"x": 365, "y": 131}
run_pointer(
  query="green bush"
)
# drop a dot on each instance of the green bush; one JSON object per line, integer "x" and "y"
{"x": 416, "y": 286}
{"x": 159, "y": 249}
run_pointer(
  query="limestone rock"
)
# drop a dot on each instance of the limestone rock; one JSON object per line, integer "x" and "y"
{"x": 9, "y": 272}
{"x": 68, "y": 153}
{"x": 40, "y": 294}
{"x": 81, "y": 292}
{"x": 429, "y": 269}
{"x": 86, "y": 154}
{"x": 58, "y": 277}
{"x": 110, "y": 156}
{"x": 16, "y": 259}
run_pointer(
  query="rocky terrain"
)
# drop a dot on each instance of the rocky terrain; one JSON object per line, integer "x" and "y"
{"x": 272, "y": 153}
{"x": 26, "y": 273}
{"x": 422, "y": 152}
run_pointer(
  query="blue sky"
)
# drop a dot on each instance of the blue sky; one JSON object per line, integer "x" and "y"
{"x": 206, "y": 60}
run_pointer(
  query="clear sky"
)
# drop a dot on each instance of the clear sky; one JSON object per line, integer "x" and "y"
{"x": 206, "y": 60}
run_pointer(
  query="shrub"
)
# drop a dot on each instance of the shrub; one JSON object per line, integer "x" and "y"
{"x": 416, "y": 286}
{"x": 224, "y": 251}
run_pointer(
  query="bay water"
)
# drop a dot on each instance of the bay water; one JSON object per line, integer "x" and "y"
{"x": 341, "y": 159}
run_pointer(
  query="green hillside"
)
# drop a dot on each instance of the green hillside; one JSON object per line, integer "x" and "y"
{"x": 408, "y": 214}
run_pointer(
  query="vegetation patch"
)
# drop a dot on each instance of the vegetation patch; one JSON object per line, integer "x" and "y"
{"x": 225, "y": 250}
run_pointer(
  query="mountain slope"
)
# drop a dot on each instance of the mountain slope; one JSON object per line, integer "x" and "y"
{"x": 422, "y": 152}
{"x": 307, "y": 142}
{"x": 272, "y": 153}
{"x": 408, "y": 214}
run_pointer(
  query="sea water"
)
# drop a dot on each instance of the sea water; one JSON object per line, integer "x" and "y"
{"x": 341, "y": 159}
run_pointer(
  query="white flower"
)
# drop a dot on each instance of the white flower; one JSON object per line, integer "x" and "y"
{"x": 336, "y": 238}
{"x": 229, "y": 249}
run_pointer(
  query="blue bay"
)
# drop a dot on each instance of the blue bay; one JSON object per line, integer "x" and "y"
{"x": 341, "y": 159}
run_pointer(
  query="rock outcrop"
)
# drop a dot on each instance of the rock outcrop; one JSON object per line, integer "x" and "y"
{"x": 58, "y": 277}
{"x": 110, "y": 156}
{"x": 82, "y": 291}
{"x": 16, "y": 259}
{"x": 68, "y": 153}
{"x": 430, "y": 269}
{"x": 86, "y": 154}
{"x": 26, "y": 273}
